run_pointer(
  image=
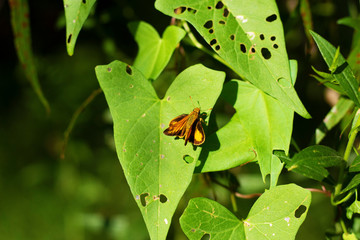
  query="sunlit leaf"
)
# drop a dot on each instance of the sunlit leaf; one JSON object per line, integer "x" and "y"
{"x": 204, "y": 217}
{"x": 278, "y": 213}
{"x": 343, "y": 73}
{"x": 22, "y": 39}
{"x": 313, "y": 161}
{"x": 248, "y": 36}
{"x": 154, "y": 52}
{"x": 76, "y": 12}
{"x": 262, "y": 123}
{"x": 155, "y": 165}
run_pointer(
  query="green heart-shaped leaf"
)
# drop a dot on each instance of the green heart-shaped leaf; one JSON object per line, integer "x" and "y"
{"x": 154, "y": 52}
{"x": 277, "y": 214}
{"x": 260, "y": 125}
{"x": 156, "y": 166}
{"x": 248, "y": 36}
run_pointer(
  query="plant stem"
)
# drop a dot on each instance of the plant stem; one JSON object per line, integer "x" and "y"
{"x": 233, "y": 202}
{"x": 343, "y": 226}
{"x": 348, "y": 149}
{"x": 75, "y": 116}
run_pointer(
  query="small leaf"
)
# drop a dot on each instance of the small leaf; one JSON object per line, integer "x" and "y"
{"x": 355, "y": 181}
{"x": 76, "y": 12}
{"x": 249, "y": 37}
{"x": 350, "y": 22}
{"x": 154, "y": 52}
{"x": 278, "y": 213}
{"x": 203, "y": 216}
{"x": 334, "y": 116}
{"x": 355, "y": 165}
{"x": 313, "y": 161}
{"x": 155, "y": 164}
{"x": 353, "y": 208}
{"x": 343, "y": 73}
{"x": 22, "y": 39}
{"x": 349, "y": 236}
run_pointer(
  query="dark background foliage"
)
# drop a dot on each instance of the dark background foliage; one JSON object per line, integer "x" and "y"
{"x": 85, "y": 195}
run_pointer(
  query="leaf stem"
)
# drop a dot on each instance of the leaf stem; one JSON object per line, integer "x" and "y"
{"x": 75, "y": 117}
{"x": 343, "y": 226}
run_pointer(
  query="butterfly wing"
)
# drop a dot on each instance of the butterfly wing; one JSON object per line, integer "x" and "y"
{"x": 177, "y": 126}
{"x": 199, "y": 135}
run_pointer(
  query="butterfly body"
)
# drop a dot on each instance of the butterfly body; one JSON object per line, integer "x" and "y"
{"x": 187, "y": 126}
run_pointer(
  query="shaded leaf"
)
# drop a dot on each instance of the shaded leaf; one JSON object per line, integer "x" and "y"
{"x": 203, "y": 216}
{"x": 355, "y": 181}
{"x": 278, "y": 213}
{"x": 313, "y": 161}
{"x": 154, "y": 52}
{"x": 22, "y": 39}
{"x": 355, "y": 165}
{"x": 328, "y": 80}
{"x": 343, "y": 73}
{"x": 76, "y": 12}
{"x": 350, "y": 22}
{"x": 334, "y": 116}
{"x": 249, "y": 37}
{"x": 155, "y": 165}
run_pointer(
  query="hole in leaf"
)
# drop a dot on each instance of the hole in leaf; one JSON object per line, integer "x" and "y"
{"x": 219, "y": 5}
{"x": 84, "y": 1}
{"x": 179, "y": 10}
{"x": 193, "y": 230}
{"x": 217, "y": 48}
{"x": 69, "y": 38}
{"x": 128, "y": 70}
{"x": 226, "y": 12}
{"x": 206, "y": 236}
{"x": 272, "y": 38}
{"x": 275, "y": 46}
{"x": 300, "y": 211}
{"x": 262, "y": 37}
{"x": 188, "y": 159}
{"x": 163, "y": 198}
{"x": 191, "y": 10}
{"x": 232, "y": 36}
{"x": 212, "y": 42}
{"x": 211, "y": 31}
{"x": 266, "y": 53}
{"x": 208, "y": 24}
{"x": 252, "y": 49}
{"x": 221, "y": 22}
{"x": 271, "y": 18}
{"x": 109, "y": 69}
{"x": 209, "y": 7}
{"x": 243, "y": 48}
{"x": 143, "y": 199}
